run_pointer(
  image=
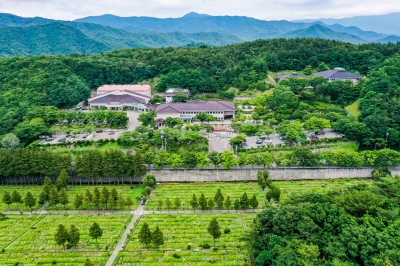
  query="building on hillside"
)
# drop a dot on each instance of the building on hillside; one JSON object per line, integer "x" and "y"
{"x": 140, "y": 89}
{"x": 291, "y": 75}
{"x": 339, "y": 74}
{"x": 170, "y": 93}
{"x": 187, "y": 111}
{"x": 117, "y": 100}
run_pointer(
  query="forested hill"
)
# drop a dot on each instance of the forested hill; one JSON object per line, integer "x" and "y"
{"x": 86, "y": 38}
{"x": 54, "y": 38}
{"x": 63, "y": 81}
{"x": 246, "y": 28}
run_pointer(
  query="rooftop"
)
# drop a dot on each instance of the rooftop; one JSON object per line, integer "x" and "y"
{"x": 136, "y": 87}
{"x": 338, "y": 73}
{"x": 196, "y": 106}
{"x": 118, "y": 97}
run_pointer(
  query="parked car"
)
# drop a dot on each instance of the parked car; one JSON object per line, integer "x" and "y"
{"x": 259, "y": 142}
{"x": 314, "y": 138}
{"x": 341, "y": 135}
{"x": 84, "y": 136}
{"x": 99, "y": 131}
{"x": 155, "y": 128}
{"x": 126, "y": 128}
{"x": 111, "y": 133}
{"x": 283, "y": 138}
{"x": 321, "y": 133}
{"x": 269, "y": 141}
{"x": 142, "y": 202}
{"x": 48, "y": 139}
{"x": 245, "y": 145}
{"x": 62, "y": 140}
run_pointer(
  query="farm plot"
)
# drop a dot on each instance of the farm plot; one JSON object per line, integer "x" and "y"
{"x": 37, "y": 245}
{"x": 307, "y": 186}
{"x": 22, "y": 190}
{"x": 123, "y": 190}
{"x": 185, "y": 191}
{"x": 184, "y": 234}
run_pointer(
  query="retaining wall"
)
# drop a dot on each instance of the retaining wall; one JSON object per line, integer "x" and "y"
{"x": 250, "y": 174}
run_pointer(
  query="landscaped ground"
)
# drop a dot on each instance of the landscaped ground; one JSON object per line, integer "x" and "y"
{"x": 37, "y": 244}
{"x": 35, "y": 190}
{"x": 185, "y": 191}
{"x": 124, "y": 190}
{"x": 184, "y": 230}
{"x": 306, "y": 186}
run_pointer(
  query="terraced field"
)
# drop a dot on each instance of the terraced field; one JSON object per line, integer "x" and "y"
{"x": 37, "y": 245}
{"x": 185, "y": 191}
{"x": 190, "y": 230}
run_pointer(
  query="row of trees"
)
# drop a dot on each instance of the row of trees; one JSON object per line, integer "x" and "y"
{"x": 15, "y": 197}
{"x": 209, "y": 203}
{"x": 116, "y": 163}
{"x": 72, "y": 236}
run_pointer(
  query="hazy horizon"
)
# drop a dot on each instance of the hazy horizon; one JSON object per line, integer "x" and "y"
{"x": 274, "y": 10}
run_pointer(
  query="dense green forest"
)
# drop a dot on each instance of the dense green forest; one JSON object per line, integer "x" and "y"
{"x": 355, "y": 226}
{"x": 63, "y": 81}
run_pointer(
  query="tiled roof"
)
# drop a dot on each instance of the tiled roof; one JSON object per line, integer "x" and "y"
{"x": 135, "y": 87}
{"x": 127, "y": 98}
{"x": 196, "y": 106}
{"x": 337, "y": 74}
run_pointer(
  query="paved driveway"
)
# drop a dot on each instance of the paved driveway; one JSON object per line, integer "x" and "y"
{"x": 133, "y": 122}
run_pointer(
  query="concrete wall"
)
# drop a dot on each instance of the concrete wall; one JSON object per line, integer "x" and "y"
{"x": 288, "y": 173}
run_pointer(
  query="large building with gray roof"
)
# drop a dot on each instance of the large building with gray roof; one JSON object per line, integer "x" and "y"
{"x": 339, "y": 74}
{"x": 118, "y": 100}
{"x": 187, "y": 111}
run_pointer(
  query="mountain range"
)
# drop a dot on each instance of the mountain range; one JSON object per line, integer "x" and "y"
{"x": 387, "y": 24}
{"x": 32, "y": 36}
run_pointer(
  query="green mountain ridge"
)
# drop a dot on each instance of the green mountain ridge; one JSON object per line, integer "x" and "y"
{"x": 53, "y": 38}
{"x": 319, "y": 31}
{"x": 87, "y": 38}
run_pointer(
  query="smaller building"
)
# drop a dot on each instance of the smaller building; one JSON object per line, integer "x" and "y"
{"x": 137, "y": 88}
{"x": 291, "y": 75}
{"x": 188, "y": 111}
{"x": 117, "y": 100}
{"x": 339, "y": 74}
{"x": 170, "y": 93}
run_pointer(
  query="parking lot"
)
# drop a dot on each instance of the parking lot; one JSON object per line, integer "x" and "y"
{"x": 275, "y": 138}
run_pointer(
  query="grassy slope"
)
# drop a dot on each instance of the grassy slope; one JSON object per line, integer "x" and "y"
{"x": 354, "y": 109}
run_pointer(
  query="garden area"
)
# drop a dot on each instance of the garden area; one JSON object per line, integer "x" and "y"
{"x": 186, "y": 241}
{"x": 36, "y": 243}
{"x": 185, "y": 191}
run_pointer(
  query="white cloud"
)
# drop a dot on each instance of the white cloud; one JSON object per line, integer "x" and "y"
{"x": 262, "y": 9}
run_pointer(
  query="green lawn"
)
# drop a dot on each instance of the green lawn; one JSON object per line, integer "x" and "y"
{"x": 354, "y": 109}
{"x": 183, "y": 230}
{"x": 307, "y": 186}
{"x": 37, "y": 245}
{"x": 185, "y": 191}
{"x": 19, "y": 224}
{"x": 124, "y": 190}
{"x": 22, "y": 190}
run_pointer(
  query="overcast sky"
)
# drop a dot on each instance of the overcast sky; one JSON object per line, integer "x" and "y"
{"x": 261, "y": 9}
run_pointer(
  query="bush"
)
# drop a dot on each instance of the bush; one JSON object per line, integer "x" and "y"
{"x": 205, "y": 246}
{"x": 227, "y": 231}
{"x": 215, "y": 249}
{"x": 176, "y": 256}
{"x": 189, "y": 247}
